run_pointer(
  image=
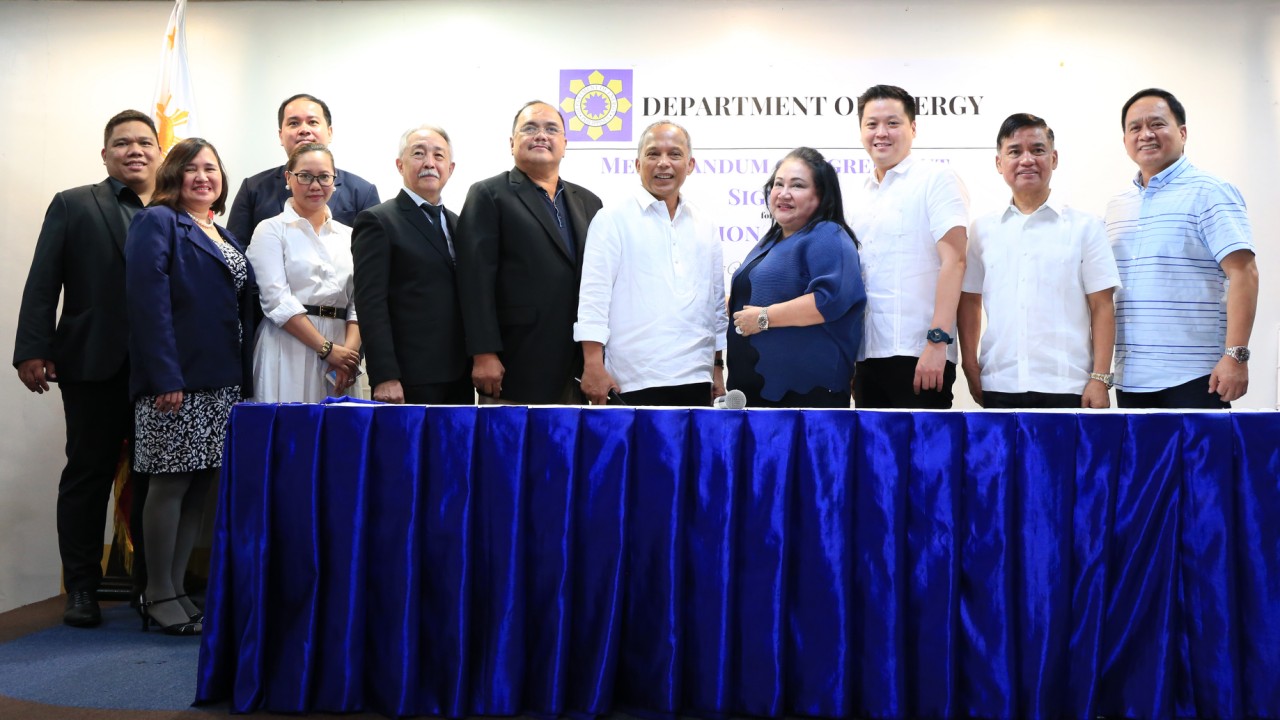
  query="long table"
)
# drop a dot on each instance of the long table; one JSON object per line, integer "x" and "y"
{"x": 507, "y": 560}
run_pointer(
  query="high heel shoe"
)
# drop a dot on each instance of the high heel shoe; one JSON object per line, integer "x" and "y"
{"x": 191, "y": 627}
{"x": 198, "y": 615}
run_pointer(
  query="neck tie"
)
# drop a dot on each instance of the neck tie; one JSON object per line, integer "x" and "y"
{"x": 436, "y": 215}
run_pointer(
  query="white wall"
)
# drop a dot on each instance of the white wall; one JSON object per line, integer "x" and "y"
{"x": 65, "y": 67}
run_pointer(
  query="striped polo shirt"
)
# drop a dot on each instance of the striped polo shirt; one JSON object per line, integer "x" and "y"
{"x": 1169, "y": 239}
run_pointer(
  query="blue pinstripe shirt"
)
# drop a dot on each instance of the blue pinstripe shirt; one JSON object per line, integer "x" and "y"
{"x": 1169, "y": 239}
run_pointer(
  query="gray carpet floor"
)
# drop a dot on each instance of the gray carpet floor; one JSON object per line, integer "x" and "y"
{"x": 49, "y": 670}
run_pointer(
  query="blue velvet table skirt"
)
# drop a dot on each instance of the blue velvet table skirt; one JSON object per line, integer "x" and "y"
{"x": 494, "y": 561}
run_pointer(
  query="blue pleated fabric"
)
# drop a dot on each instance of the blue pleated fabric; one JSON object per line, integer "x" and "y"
{"x": 465, "y": 561}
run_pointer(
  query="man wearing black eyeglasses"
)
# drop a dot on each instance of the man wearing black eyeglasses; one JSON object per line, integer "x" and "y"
{"x": 303, "y": 119}
{"x": 520, "y": 240}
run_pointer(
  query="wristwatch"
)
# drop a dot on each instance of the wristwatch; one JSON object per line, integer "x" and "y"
{"x": 762, "y": 321}
{"x": 1107, "y": 379}
{"x": 325, "y": 349}
{"x": 1239, "y": 353}
{"x": 937, "y": 335}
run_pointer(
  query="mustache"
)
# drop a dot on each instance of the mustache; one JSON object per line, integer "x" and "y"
{"x": 429, "y": 172}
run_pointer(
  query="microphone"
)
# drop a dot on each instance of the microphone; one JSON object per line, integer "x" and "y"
{"x": 613, "y": 397}
{"x": 733, "y": 400}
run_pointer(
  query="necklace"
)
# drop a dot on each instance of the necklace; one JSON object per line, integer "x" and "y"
{"x": 206, "y": 224}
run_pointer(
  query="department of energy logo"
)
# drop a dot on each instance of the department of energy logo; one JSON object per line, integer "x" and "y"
{"x": 597, "y": 103}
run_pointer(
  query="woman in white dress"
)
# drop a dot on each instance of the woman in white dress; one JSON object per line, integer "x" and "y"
{"x": 309, "y": 347}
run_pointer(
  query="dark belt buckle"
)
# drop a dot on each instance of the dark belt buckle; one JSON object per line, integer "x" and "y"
{"x": 328, "y": 311}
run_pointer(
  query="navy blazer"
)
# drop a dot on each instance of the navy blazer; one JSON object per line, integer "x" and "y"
{"x": 185, "y": 316}
{"x": 262, "y": 196}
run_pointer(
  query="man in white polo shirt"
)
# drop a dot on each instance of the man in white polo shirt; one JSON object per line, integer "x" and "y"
{"x": 651, "y": 312}
{"x": 1184, "y": 246}
{"x": 1045, "y": 274}
{"x": 911, "y": 220}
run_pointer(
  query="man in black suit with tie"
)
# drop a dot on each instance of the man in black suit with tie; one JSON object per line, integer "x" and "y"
{"x": 303, "y": 119}
{"x": 520, "y": 241}
{"x": 80, "y": 256}
{"x": 406, "y": 290}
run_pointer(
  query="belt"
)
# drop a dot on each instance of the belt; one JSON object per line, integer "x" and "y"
{"x": 326, "y": 311}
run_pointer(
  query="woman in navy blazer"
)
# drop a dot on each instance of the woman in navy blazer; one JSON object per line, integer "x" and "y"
{"x": 189, "y": 290}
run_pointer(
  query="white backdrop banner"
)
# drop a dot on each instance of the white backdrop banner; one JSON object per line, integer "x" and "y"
{"x": 742, "y": 124}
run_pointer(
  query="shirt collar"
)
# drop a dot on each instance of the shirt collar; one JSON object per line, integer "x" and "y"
{"x": 291, "y": 215}
{"x": 419, "y": 200}
{"x": 1052, "y": 204}
{"x": 902, "y": 168}
{"x": 559, "y": 189}
{"x": 648, "y": 201}
{"x": 118, "y": 187}
{"x": 1163, "y": 177}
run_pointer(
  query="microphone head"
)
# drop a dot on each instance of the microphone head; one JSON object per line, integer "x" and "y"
{"x": 735, "y": 400}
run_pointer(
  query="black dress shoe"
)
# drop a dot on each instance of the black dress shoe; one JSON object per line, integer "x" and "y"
{"x": 82, "y": 609}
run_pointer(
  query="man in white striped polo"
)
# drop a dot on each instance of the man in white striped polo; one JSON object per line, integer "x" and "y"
{"x": 1184, "y": 247}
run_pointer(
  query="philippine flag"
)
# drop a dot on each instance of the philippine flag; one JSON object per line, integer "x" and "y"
{"x": 174, "y": 107}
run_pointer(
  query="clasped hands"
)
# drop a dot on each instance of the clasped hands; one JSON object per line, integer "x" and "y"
{"x": 346, "y": 362}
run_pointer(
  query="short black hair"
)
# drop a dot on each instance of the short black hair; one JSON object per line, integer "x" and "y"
{"x": 125, "y": 116}
{"x": 1016, "y": 122}
{"x": 530, "y": 104}
{"x": 825, "y": 182}
{"x": 328, "y": 117}
{"x": 888, "y": 92}
{"x": 1179, "y": 112}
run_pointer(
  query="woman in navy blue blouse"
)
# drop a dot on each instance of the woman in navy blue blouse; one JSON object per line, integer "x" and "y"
{"x": 797, "y": 300}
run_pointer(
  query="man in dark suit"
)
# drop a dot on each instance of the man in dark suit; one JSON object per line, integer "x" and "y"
{"x": 406, "y": 290}
{"x": 520, "y": 241}
{"x": 303, "y": 119}
{"x": 80, "y": 255}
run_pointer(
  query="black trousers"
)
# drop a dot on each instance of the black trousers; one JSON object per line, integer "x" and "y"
{"x": 691, "y": 395}
{"x": 1029, "y": 400}
{"x": 1190, "y": 395}
{"x": 886, "y": 383}
{"x": 99, "y": 419}
{"x": 817, "y": 398}
{"x": 458, "y": 392}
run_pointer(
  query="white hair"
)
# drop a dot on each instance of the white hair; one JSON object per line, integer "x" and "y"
{"x": 404, "y": 139}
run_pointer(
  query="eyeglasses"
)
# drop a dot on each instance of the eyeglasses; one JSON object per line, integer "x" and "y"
{"x": 549, "y": 129}
{"x": 306, "y": 178}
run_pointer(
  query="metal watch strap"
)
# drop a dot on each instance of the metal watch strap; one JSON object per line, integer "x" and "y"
{"x": 1107, "y": 379}
{"x": 1239, "y": 353}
